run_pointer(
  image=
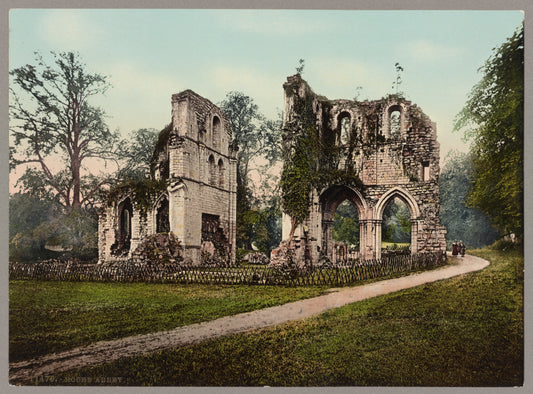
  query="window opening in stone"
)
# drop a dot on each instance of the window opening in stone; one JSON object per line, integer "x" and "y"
{"x": 126, "y": 213}
{"x": 344, "y": 121}
{"x": 212, "y": 171}
{"x": 396, "y": 228}
{"x": 425, "y": 171}
{"x": 395, "y": 125}
{"x": 162, "y": 220}
{"x": 345, "y": 233}
{"x": 216, "y": 132}
{"x": 220, "y": 173}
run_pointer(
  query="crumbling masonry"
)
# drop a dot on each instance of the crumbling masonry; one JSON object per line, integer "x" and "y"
{"x": 367, "y": 153}
{"x": 191, "y": 193}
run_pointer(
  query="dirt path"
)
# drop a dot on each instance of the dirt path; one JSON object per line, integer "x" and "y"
{"x": 25, "y": 372}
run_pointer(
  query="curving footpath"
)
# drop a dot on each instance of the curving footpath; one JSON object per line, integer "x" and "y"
{"x": 25, "y": 372}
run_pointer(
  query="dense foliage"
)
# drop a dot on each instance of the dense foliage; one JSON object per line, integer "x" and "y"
{"x": 462, "y": 223}
{"x": 346, "y": 224}
{"x": 396, "y": 222}
{"x": 493, "y": 119}
{"x": 40, "y": 229}
{"x": 258, "y": 139}
{"x": 135, "y": 154}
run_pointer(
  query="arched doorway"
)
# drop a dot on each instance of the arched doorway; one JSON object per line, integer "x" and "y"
{"x": 351, "y": 205}
{"x": 346, "y": 233}
{"x": 124, "y": 228}
{"x": 402, "y": 199}
{"x": 162, "y": 218}
{"x": 396, "y": 228}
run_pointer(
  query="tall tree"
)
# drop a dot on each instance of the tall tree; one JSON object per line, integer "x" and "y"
{"x": 135, "y": 153}
{"x": 462, "y": 223}
{"x": 51, "y": 117}
{"x": 256, "y": 136}
{"x": 493, "y": 119}
{"x": 259, "y": 140}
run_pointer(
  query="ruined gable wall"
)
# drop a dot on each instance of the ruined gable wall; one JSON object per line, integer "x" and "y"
{"x": 366, "y": 152}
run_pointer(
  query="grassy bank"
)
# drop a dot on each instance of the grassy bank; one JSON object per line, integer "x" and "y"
{"x": 464, "y": 331}
{"x": 46, "y": 317}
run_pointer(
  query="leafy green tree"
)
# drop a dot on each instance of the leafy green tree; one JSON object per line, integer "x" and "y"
{"x": 493, "y": 119}
{"x": 396, "y": 222}
{"x": 135, "y": 153}
{"x": 52, "y": 120}
{"x": 256, "y": 136}
{"x": 346, "y": 224}
{"x": 462, "y": 223}
{"x": 36, "y": 224}
{"x": 258, "y": 139}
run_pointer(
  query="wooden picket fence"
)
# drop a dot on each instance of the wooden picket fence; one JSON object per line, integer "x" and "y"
{"x": 248, "y": 275}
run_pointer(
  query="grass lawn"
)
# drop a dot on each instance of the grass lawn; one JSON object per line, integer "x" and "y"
{"x": 464, "y": 331}
{"x": 46, "y": 317}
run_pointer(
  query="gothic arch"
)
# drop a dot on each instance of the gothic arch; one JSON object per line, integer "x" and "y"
{"x": 161, "y": 214}
{"x": 333, "y": 196}
{"x": 330, "y": 199}
{"x": 212, "y": 171}
{"x": 221, "y": 173}
{"x": 404, "y": 195}
{"x": 414, "y": 211}
{"x": 125, "y": 214}
{"x": 216, "y": 131}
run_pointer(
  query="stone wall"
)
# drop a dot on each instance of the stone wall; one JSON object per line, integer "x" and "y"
{"x": 381, "y": 150}
{"x": 196, "y": 158}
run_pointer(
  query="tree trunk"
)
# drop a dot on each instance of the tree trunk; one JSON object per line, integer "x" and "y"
{"x": 76, "y": 183}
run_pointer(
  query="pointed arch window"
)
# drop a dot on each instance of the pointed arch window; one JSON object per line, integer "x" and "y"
{"x": 344, "y": 123}
{"x": 212, "y": 170}
{"x": 216, "y": 131}
{"x": 220, "y": 173}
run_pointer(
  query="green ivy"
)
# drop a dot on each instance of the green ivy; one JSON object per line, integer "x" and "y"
{"x": 143, "y": 192}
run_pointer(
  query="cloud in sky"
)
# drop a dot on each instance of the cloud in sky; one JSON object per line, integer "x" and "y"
{"x": 69, "y": 29}
{"x": 425, "y": 51}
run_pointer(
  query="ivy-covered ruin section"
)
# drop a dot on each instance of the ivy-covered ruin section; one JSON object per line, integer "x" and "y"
{"x": 367, "y": 152}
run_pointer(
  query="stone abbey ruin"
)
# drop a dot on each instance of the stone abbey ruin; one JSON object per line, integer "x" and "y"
{"x": 193, "y": 193}
{"x": 368, "y": 153}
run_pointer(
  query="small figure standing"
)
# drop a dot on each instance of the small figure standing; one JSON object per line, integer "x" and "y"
{"x": 455, "y": 249}
{"x": 462, "y": 248}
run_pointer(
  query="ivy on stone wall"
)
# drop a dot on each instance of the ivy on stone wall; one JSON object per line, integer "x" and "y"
{"x": 143, "y": 192}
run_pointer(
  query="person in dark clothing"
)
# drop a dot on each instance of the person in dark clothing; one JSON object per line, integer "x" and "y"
{"x": 455, "y": 249}
{"x": 462, "y": 248}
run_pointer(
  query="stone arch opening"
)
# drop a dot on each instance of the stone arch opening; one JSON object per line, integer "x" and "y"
{"x": 394, "y": 118}
{"x": 346, "y": 232}
{"x": 212, "y": 170}
{"x": 330, "y": 200}
{"x": 216, "y": 131}
{"x": 220, "y": 173}
{"x": 162, "y": 222}
{"x": 414, "y": 216}
{"x": 125, "y": 210}
{"x": 396, "y": 228}
{"x": 344, "y": 123}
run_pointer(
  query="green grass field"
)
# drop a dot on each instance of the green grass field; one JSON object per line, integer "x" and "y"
{"x": 464, "y": 331}
{"x": 46, "y": 317}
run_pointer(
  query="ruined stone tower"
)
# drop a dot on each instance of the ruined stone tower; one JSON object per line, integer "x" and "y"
{"x": 367, "y": 153}
{"x": 191, "y": 193}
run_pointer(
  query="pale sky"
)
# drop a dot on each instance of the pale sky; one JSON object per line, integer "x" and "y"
{"x": 151, "y": 54}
